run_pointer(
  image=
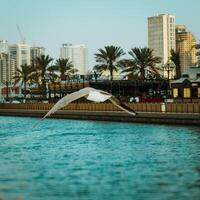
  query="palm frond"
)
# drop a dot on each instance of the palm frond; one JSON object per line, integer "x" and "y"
{"x": 108, "y": 59}
{"x": 144, "y": 60}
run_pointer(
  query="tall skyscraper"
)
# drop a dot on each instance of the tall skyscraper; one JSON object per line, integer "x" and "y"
{"x": 78, "y": 54}
{"x": 198, "y": 54}
{"x": 36, "y": 52}
{"x": 161, "y": 36}
{"x": 7, "y": 68}
{"x": 4, "y": 62}
{"x": 186, "y": 45}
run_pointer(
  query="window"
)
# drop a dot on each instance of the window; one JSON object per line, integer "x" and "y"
{"x": 186, "y": 93}
{"x": 23, "y": 52}
{"x": 185, "y": 75}
{"x": 175, "y": 92}
{"x": 194, "y": 91}
{"x": 198, "y": 93}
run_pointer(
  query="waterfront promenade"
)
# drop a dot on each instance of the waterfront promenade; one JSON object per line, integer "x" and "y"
{"x": 169, "y": 113}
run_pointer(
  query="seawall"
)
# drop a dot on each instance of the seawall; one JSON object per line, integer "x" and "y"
{"x": 142, "y": 117}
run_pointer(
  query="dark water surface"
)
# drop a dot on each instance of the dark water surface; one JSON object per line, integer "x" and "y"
{"x": 75, "y": 160}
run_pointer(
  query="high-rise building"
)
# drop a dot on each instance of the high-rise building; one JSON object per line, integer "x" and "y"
{"x": 4, "y": 63}
{"x": 20, "y": 53}
{"x": 7, "y": 64}
{"x": 36, "y": 52}
{"x": 198, "y": 54}
{"x": 186, "y": 45}
{"x": 77, "y": 54}
{"x": 11, "y": 58}
{"x": 161, "y": 36}
{"x": 7, "y": 69}
{"x": 3, "y": 46}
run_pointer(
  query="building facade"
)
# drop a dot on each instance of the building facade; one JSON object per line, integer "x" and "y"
{"x": 7, "y": 72}
{"x": 20, "y": 54}
{"x": 77, "y": 54}
{"x": 36, "y": 52}
{"x": 186, "y": 45}
{"x": 3, "y": 46}
{"x": 188, "y": 86}
{"x": 4, "y": 68}
{"x": 7, "y": 68}
{"x": 162, "y": 38}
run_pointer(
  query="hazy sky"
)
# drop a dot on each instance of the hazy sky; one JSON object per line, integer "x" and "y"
{"x": 95, "y": 23}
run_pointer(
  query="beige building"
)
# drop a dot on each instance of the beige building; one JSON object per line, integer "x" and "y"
{"x": 161, "y": 38}
{"x": 4, "y": 68}
{"x": 185, "y": 44}
{"x": 36, "y": 52}
{"x": 20, "y": 53}
{"x": 7, "y": 68}
{"x": 7, "y": 72}
{"x": 77, "y": 54}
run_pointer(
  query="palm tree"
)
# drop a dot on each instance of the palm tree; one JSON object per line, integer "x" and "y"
{"x": 175, "y": 58}
{"x": 53, "y": 78}
{"x": 130, "y": 68}
{"x": 35, "y": 75}
{"x": 42, "y": 64}
{"x": 65, "y": 67}
{"x": 23, "y": 74}
{"x": 108, "y": 59}
{"x": 143, "y": 61}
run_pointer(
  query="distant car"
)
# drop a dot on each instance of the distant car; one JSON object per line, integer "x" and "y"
{"x": 15, "y": 101}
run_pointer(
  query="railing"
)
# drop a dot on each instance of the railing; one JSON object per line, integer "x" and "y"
{"x": 138, "y": 107}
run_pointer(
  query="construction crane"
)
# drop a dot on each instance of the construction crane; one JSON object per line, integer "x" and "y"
{"x": 21, "y": 35}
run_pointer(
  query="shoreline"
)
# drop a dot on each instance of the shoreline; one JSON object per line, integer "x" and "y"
{"x": 117, "y": 116}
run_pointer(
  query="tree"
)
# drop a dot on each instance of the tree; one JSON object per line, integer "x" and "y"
{"x": 42, "y": 64}
{"x": 198, "y": 54}
{"x": 23, "y": 74}
{"x": 35, "y": 75}
{"x": 108, "y": 59}
{"x": 65, "y": 67}
{"x": 53, "y": 78}
{"x": 143, "y": 62}
{"x": 175, "y": 58}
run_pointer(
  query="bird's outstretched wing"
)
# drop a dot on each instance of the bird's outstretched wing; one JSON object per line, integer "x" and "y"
{"x": 122, "y": 106}
{"x": 92, "y": 95}
{"x": 68, "y": 99}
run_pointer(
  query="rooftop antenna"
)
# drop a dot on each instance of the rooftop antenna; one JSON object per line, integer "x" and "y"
{"x": 21, "y": 35}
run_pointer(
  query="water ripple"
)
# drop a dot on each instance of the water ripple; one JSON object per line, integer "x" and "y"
{"x": 75, "y": 160}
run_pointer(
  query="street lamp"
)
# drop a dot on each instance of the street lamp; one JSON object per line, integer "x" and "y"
{"x": 95, "y": 76}
{"x": 169, "y": 68}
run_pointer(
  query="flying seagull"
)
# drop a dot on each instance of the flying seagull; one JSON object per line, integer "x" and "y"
{"x": 92, "y": 95}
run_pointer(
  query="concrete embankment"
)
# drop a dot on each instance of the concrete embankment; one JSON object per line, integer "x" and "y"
{"x": 144, "y": 117}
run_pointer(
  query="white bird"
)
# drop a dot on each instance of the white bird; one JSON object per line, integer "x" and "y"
{"x": 92, "y": 95}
